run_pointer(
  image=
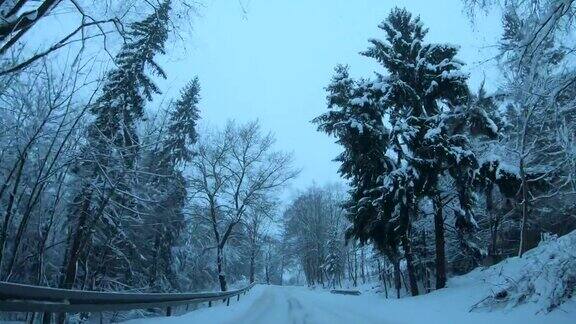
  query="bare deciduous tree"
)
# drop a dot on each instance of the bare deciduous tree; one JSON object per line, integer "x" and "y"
{"x": 233, "y": 171}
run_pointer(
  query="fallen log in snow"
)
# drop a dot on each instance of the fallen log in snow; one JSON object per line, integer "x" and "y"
{"x": 346, "y": 292}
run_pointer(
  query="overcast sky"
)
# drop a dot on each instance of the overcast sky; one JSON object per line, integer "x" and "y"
{"x": 271, "y": 59}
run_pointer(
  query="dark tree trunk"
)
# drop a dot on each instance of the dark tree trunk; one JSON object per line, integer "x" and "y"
{"x": 220, "y": 268}
{"x": 397, "y": 277}
{"x": 523, "y": 224}
{"x": 9, "y": 205}
{"x": 362, "y": 263}
{"x": 440, "y": 243}
{"x": 524, "y": 192}
{"x": 252, "y": 266}
{"x": 349, "y": 263}
{"x": 404, "y": 281}
{"x": 76, "y": 241}
{"x": 382, "y": 277}
{"x": 424, "y": 265}
{"x": 267, "y": 275}
{"x": 46, "y": 318}
{"x": 410, "y": 265}
{"x": 154, "y": 270}
{"x": 427, "y": 279}
{"x": 355, "y": 268}
{"x": 282, "y": 272}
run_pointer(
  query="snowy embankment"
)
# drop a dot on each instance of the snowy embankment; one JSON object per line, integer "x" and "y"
{"x": 538, "y": 288}
{"x": 544, "y": 278}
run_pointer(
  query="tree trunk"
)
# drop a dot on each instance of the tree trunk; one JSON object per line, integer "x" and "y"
{"x": 522, "y": 246}
{"x": 362, "y": 263}
{"x": 405, "y": 281}
{"x": 382, "y": 277}
{"x": 319, "y": 272}
{"x": 9, "y": 205}
{"x": 32, "y": 201}
{"x": 154, "y": 271}
{"x": 252, "y": 265}
{"x": 220, "y": 268}
{"x": 439, "y": 242}
{"x": 494, "y": 224}
{"x": 410, "y": 265}
{"x": 397, "y": 280}
{"x": 77, "y": 236}
{"x": 45, "y": 232}
{"x": 282, "y": 269}
{"x": 349, "y": 263}
{"x": 427, "y": 279}
{"x": 424, "y": 265}
{"x": 355, "y": 268}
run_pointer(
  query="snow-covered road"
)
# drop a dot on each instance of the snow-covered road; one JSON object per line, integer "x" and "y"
{"x": 293, "y": 305}
{"x": 297, "y": 305}
{"x": 301, "y": 305}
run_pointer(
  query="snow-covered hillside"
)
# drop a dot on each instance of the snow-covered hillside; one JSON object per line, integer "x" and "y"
{"x": 544, "y": 276}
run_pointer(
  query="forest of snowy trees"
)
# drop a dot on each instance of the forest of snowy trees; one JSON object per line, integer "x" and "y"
{"x": 106, "y": 186}
{"x": 101, "y": 193}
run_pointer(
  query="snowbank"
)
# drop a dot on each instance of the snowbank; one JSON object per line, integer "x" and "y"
{"x": 544, "y": 276}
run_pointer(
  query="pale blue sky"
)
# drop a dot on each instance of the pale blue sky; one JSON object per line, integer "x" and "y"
{"x": 273, "y": 62}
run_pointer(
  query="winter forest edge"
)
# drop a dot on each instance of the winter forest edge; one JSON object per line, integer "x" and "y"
{"x": 106, "y": 185}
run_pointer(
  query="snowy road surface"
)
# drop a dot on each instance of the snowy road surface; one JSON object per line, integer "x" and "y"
{"x": 300, "y": 305}
{"x": 296, "y": 305}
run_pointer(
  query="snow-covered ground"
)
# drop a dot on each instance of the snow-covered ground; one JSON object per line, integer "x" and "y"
{"x": 274, "y": 304}
{"x": 541, "y": 266}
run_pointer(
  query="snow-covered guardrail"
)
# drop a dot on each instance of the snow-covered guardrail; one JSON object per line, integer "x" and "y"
{"x": 25, "y": 298}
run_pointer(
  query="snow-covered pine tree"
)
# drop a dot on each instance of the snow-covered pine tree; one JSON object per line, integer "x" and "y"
{"x": 334, "y": 261}
{"x": 164, "y": 224}
{"x": 176, "y": 148}
{"x": 104, "y": 169}
{"x": 390, "y": 170}
{"x": 426, "y": 89}
{"x": 485, "y": 124}
{"x": 356, "y": 120}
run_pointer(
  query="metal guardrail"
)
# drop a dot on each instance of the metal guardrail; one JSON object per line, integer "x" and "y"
{"x": 25, "y": 298}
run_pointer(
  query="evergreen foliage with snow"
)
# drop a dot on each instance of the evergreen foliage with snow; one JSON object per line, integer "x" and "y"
{"x": 107, "y": 202}
{"x": 423, "y": 97}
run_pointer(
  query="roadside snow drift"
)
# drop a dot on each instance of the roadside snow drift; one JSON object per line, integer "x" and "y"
{"x": 544, "y": 276}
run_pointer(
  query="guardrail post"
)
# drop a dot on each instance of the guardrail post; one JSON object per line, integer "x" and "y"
{"x": 169, "y": 311}
{"x": 238, "y": 297}
{"x": 228, "y": 301}
{"x": 210, "y": 303}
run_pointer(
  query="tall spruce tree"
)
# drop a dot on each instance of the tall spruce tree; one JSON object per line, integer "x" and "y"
{"x": 112, "y": 147}
{"x": 182, "y": 134}
{"x": 165, "y": 162}
{"x": 356, "y": 120}
{"x": 426, "y": 92}
{"x": 422, "y": 95}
